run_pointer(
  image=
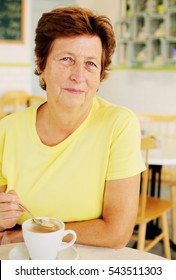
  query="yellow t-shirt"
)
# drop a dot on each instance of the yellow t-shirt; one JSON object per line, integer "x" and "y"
{"x": 67, "y": 180}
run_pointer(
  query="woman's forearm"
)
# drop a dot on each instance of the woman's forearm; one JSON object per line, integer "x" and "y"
{"x": 99, "y": 233}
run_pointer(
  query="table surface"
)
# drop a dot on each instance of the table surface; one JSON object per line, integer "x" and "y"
{"x": 162, "y": 161}
{"x": 96, "y": 253}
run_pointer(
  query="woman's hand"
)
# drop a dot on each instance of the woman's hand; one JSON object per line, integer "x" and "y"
{"x": 9, "y": 210}
{"x": 13, "y": 235}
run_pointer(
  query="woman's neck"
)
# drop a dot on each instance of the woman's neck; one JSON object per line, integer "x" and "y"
{"x": 54, "y": 126}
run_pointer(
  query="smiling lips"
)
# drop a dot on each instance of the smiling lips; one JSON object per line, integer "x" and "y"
{"x": 74, "y": 91}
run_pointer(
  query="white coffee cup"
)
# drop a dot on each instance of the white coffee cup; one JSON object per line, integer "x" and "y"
{"x": 45, "y": 244}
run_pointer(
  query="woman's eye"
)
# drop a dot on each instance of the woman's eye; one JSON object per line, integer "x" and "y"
{"x": 67, "y": 60}
{"x": 91, "y": 64}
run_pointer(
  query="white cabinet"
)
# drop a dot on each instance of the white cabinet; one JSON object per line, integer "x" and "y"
{"x": 146, "y": 33}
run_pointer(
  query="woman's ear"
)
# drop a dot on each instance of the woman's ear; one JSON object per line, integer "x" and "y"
{"x": 42, "y": 83}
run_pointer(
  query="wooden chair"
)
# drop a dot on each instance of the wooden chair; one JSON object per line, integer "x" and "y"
{"x": 34, "y": 99}
{"x": 12, "y": 101}
{"x": 151, "y": 208}
{"x": 163, "y": 128}
{"x": 17, "y": 100}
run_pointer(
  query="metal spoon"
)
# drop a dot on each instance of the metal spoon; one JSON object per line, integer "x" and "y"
{"x": 39, "y": 222}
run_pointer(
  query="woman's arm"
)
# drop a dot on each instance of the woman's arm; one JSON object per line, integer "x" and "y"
{"x": 118, "y": 218}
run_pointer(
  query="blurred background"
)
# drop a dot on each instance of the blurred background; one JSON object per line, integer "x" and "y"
{"x": 142, "y": 75}
{"x": 140, "y": 78}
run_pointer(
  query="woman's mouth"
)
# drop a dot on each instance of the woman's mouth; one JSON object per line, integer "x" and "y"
{"x": 74, "y": 91}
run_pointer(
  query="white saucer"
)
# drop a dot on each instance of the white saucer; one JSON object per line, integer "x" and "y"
{"x": 20, "y": 252}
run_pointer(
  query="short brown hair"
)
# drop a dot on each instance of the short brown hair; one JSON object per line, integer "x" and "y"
{"x": 73, "y": 21}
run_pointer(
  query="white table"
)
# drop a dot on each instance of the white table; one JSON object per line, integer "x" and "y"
{"x": 162, "y": 161}
{"x": 96, "y": 253}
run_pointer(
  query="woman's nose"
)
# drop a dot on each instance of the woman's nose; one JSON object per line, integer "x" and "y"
{"x": 77, "y": 72}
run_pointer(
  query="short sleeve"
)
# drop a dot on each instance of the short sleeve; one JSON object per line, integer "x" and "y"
{"x": 125, "y": 159}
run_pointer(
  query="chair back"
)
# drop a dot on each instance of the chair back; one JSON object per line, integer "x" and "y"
{"x": 17, "y": 100}
{"x": 13, "y": 101}
{"x": 163, "y": 128}
{"x": 33, "y": 99}
{"x": 147, "y": 144}
{"x": 158, "y": 125}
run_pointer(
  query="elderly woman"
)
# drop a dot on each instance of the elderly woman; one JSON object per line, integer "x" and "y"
{"x": 76, "y": 156}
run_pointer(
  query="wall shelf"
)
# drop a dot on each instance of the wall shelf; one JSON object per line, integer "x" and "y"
{"x": 146, "y": 34}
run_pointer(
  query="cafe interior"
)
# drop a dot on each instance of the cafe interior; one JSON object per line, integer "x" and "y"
{"x": 142, "y": 77}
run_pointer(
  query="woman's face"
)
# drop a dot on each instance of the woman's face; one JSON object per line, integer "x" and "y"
{"x": 72, "y": 72}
